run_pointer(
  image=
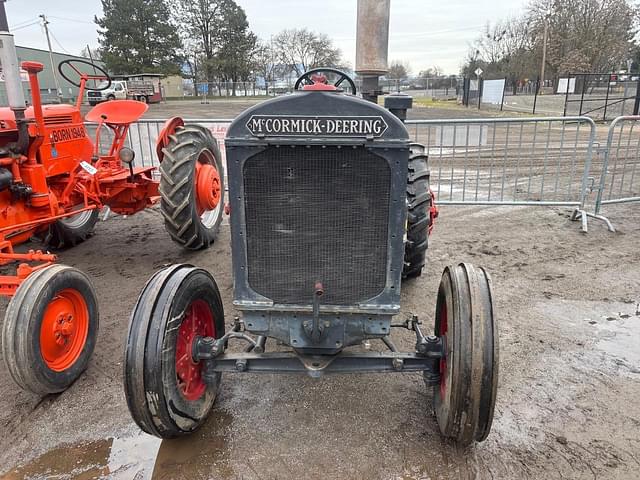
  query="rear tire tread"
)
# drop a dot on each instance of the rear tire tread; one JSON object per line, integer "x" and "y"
{"x": 177, "y": 172}
{"x": 419, "y": 203}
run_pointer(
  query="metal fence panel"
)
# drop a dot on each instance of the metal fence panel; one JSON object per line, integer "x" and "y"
{"x": 508, "y": 161}
{"x": 144, "y": 133}
{"x": 620, "y": 169}
{"x": 488, "y": 161}
{"x": 602, "y": 96}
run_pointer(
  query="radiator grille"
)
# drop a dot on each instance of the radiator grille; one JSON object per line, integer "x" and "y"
{"x": 58, "y": 120}
{"x": 317, "y": 214}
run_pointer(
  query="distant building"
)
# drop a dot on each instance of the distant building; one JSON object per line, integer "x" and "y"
{"x": 172, "y": 86}
{"x": 46, "y": 77}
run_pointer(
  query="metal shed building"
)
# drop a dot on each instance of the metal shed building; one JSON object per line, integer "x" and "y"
{"x": 46, "y": 77}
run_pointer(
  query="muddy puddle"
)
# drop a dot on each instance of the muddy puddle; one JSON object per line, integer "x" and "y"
{"x": 137, "y": 456}
{"x": 611, "y": 328}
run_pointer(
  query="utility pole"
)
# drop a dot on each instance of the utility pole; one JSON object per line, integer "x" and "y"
{"x": 95, "y": 72}
{"x": 544, "y": 47}
{"x": 45, "y": 24}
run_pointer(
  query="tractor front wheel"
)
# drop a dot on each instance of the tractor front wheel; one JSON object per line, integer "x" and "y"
{"x": 192, "y": 187}
{"x": 419, "y": 203}
{"x": 70, "y": 231}
{"x": 165, "y": 388}
{"x": 50, "y": 329}
{"x": 465, "y": 398}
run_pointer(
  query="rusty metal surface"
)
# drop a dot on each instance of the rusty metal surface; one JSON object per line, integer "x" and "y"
{"x": 372, "y": 38}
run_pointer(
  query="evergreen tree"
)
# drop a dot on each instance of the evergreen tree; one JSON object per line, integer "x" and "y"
{"x": 138, "y": 36}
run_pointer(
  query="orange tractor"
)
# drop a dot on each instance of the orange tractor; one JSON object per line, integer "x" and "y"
{"x": 53, "y": 183}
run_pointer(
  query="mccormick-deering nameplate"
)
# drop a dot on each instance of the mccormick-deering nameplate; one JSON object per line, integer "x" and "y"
{"x": 293, "y": 125}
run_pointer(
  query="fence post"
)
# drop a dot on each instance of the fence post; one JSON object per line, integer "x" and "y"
{"x": 466, "y": 86}
{"x": 636, "y": 105}
{"x": 566, "y": 95}
{"x": 606, "y": 99}
{"x": 584, "y": 87}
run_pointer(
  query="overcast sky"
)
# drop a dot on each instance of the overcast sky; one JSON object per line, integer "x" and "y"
{"x": 423, "y": 33}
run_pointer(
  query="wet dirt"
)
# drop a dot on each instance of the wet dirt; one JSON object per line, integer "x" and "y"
{"x": 569, "y": 371}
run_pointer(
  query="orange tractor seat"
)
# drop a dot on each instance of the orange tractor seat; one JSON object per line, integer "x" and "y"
{"x": 117, "y": 112}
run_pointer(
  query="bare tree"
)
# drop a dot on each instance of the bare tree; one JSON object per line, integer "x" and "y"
{"x": 398, "y": 70}
{"x": 91, "y": 53}
{"x": 585, "y": 35}
{"x": 301, "y": 50}
{"x": 503, "y": 49}
{"x": 265, "y": 63}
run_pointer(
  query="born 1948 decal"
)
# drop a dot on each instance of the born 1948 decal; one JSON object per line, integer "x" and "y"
{"x": 288, "y": 125}
{"x": 68, "y": 133}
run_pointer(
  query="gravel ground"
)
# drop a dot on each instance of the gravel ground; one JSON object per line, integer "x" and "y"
{"x": 569, "y": 374}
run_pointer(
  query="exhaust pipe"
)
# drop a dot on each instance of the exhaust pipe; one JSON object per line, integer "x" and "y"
{"x": 372, "y": 45}
{"x": 13, "y": 82}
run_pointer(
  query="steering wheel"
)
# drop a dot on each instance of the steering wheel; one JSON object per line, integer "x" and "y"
{"x": 305, "y": 78}
{"x": 85, "y": 76}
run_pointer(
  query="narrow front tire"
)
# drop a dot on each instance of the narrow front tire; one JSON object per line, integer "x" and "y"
{"x": 464, "y": 400}
{"x": 165, "y": 389}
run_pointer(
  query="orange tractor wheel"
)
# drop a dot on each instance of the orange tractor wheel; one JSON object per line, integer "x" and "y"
{"x": 50, "y": 329}
{"x": 192, "y": 187}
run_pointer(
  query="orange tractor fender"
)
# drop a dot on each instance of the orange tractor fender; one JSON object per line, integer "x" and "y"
{"x": 168, "y": 129}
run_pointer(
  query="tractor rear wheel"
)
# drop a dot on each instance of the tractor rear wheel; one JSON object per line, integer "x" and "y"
{"x": 465, "y": 398}
{"x": 165, "y": 389}
{"x": 50, "y": 329}
{"x": 192, "y": 187}
{"x": 419, "y": 202}
{"x": 70, "y": 231}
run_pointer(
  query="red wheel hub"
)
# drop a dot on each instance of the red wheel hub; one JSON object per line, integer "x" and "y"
{"x": 208, "y": 187}
{"x": 197, "y": 322}
{"x": 443, "y": 360}
{"x": 64, "y": 330}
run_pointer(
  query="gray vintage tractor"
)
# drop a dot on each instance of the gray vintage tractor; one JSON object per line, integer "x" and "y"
{"x": 330, "y": 208}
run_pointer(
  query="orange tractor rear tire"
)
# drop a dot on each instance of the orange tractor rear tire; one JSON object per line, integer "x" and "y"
{"x": 192, "y": 187}
{"x": 70, "y": 231}
{"x": 50, "y": 329}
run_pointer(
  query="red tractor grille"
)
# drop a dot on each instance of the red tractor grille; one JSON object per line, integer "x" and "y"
{"x": 58, "y": 120}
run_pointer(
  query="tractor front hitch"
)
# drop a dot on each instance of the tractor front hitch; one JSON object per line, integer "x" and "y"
{"x": 211, "y": 351}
